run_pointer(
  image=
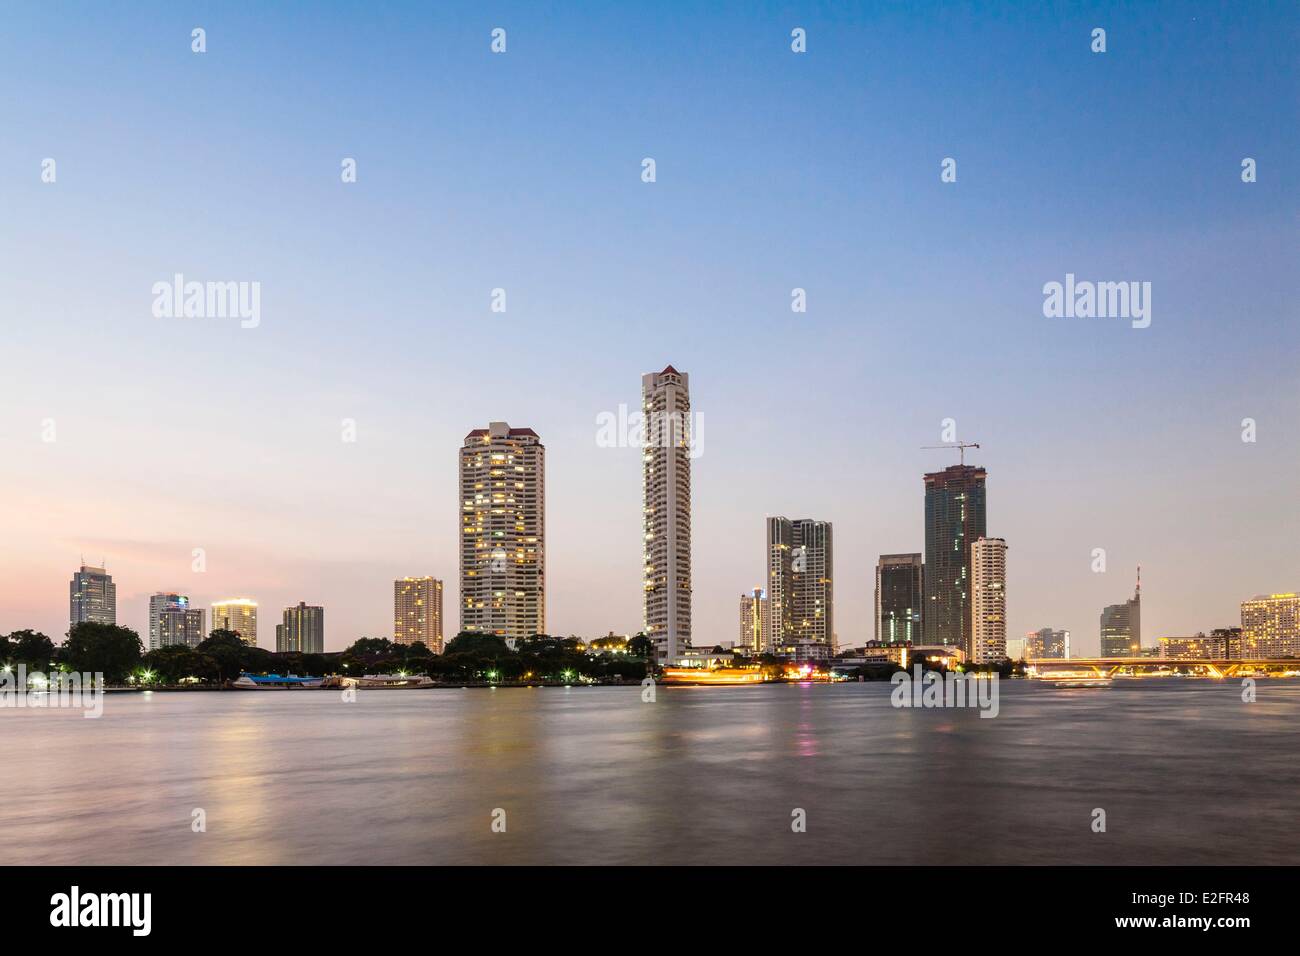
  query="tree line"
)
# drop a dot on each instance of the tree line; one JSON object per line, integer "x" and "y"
{"x": 119, "y": 655}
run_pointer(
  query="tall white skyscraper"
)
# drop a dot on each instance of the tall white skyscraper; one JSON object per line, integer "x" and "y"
{"x": 800, "y": 593}
{"x": 417, "y": 612}
{"x": 92, "y": 597}
{"x": 988, "y": 600}
{"x": 173, "y": 621}
{"x": 503, "y": 532}
{"x": 666, "y": 473}
{"x": 238, "y": 615}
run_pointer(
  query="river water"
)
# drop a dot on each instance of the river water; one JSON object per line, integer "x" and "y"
{"x": 1185, "y": 771}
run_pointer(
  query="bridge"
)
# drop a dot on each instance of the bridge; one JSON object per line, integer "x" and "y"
{"x": 1218, "y": 667}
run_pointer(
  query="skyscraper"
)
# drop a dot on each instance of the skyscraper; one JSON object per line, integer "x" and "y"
{"x": 1121, "y": 626}
{"x": 1047, "y": 643}
{"x": 900, "y": 596}
{"x": 417, "y": 612}
{"x": 158, "y": 602}
{"x": 181, "y": 625}
{"x": 238, "y": 615}
{"x": 1270, "y": 626}
{"x": 988, "y": 600}
{"x": 666, "y": 486}
{"x": 92, "y": 597}
{"x": 800, "y": 563}
{"x": 753, "y": 621}
{"x": 954, "y": 520}
{"x": 303, "y": 630}
{"x": 503, "y": 532}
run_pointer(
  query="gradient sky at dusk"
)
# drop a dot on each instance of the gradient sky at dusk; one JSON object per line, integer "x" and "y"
{"x": 522, "y": 171}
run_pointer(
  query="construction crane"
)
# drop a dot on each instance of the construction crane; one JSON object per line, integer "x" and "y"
{"x": 961, "y": 446}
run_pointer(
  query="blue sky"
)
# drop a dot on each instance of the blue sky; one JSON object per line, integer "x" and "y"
{"x": 522, "y": 171}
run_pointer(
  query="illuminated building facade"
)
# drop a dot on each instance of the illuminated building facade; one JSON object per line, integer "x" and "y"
{"x": 1047, "y": 643}
{"x": 1195, "y": 648}
{"x": 1121, "y": 627}
{"x": 753, "y": 621}
{"x": 173, "y": 621}
{"x": 800, "y": 585}
{"x": 900, "y": 596}
{"x": 666, "y": 502}
{"x": 955, "y": 519}
{"x": 158, "y": 603}
{"x": 988, "y": 600}
{"x": 1270, "y": 626}
{"x": 92, "y": 597}
{"x": 238, "y": 615}
{"x": 417, "y": 612}
{"x": 503, "y": 532}
{"x": 303, "y": 630}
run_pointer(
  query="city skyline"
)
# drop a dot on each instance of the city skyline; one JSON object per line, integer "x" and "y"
{"x": 775, "y": 172}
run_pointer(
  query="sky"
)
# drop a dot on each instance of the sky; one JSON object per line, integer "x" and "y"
{"x": 522, "y": 170}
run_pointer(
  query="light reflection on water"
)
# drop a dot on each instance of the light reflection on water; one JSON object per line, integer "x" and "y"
{"x": 1186, "y": 772}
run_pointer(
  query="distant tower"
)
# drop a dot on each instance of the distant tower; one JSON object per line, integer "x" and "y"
{"x": 900, "y": 590}
{"x": 988, "y": 600}
{"x": 303, "y": 630}
{"x": 800, "y": 582}
{"x": 1270, "y": 626}
{"x": 417, "y": 612}
{"x": 173, "y": 621}
{"x": 666, "y": 488}
{"x": 92, "y": 597}
{"x": 503, "y": 532}
{"x": 954, "y": 521}
{"x": 753, "y": 621}
{"x": 1121, "y": 625}
{"x": 238, "y": 615}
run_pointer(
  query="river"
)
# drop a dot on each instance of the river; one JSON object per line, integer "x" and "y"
{"x": 1185, "y": 771}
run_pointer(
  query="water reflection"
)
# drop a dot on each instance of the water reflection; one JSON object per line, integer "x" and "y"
{"x": 1186, "y": 772}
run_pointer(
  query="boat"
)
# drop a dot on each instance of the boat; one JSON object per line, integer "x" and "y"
{"x": 248, "y": 681}
{"x": 383, "y": 681}
{"x": 1080, "y": 678}
{"x": 717, "y": 675}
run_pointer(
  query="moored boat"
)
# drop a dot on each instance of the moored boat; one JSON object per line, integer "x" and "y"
{"x": 248, "y": 681}
{"x": 1075, "y": 679}
{"x": 383, "y": 681}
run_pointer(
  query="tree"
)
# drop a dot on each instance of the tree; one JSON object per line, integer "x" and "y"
{"x": 371, "y": 647}
{"x": 471, "y": 642}
{"x": 28, "y": 647}
{"x": 640, "y": 646}
{"x": 176, "y": 662}
{"x": 102, "y": 648}
{"x": 228, "y": 650}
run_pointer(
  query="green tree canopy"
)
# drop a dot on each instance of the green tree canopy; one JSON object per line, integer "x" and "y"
{"x": 231, "y": 655}
{"x": 27, "y": 647}
{"x": 640, "y": 646}
{"x": 173, "y": 664}
{"x": 105, "y": 648}
{"x": 471, "y": 642}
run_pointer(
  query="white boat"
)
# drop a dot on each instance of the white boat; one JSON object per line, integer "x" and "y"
{"x": 275, "y": 682}
{"x": 385, "y": 681}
